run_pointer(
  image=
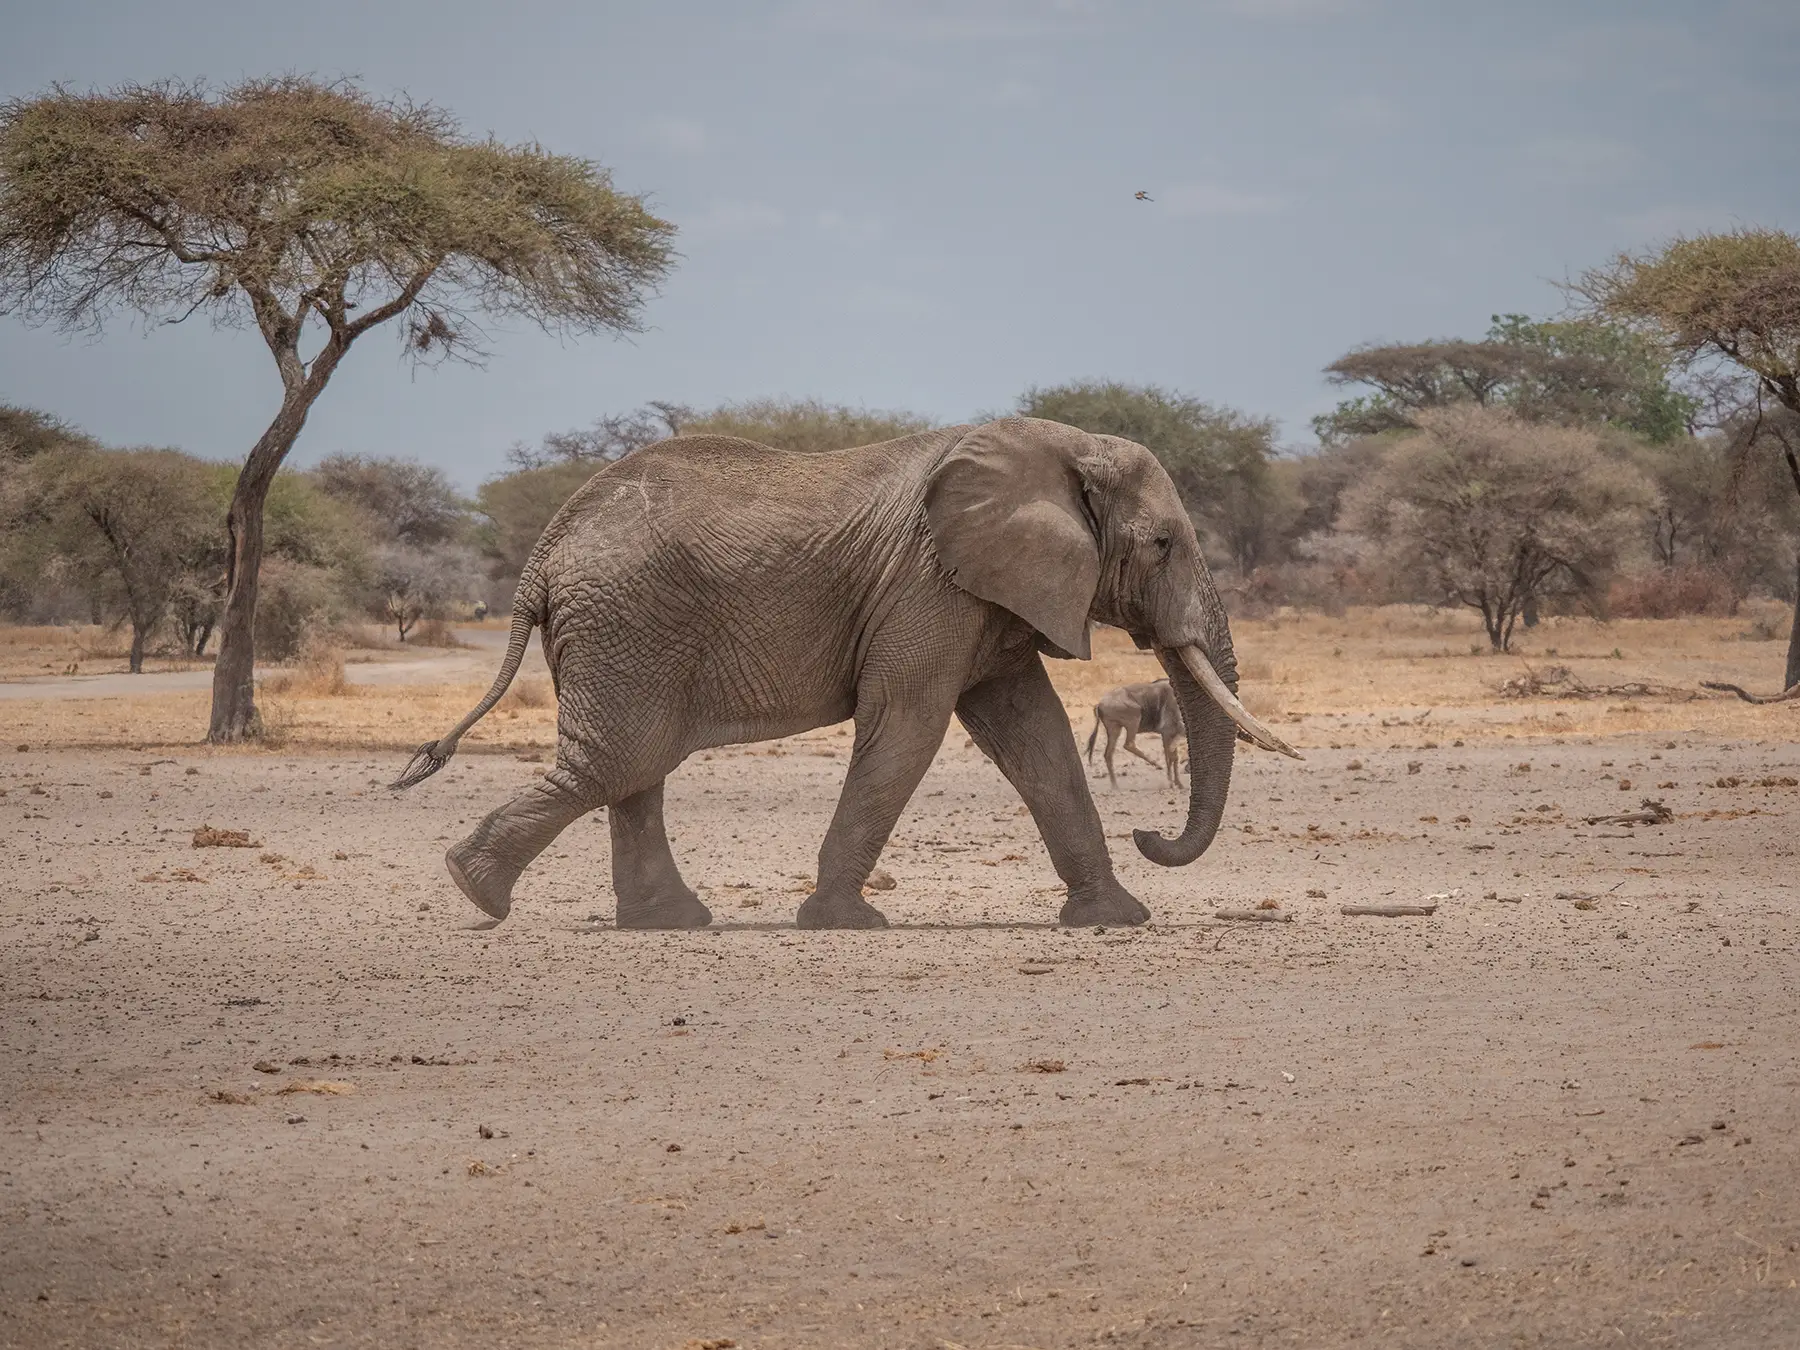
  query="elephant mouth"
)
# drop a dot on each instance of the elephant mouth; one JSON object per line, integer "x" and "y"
{"x": 1202, "y": 670}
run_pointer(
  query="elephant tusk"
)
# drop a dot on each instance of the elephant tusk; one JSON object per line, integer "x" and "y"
{"x": 1195, "y": 660}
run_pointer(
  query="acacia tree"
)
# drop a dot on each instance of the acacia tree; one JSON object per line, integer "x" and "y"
{"x": 1495, "y": 513}
{"x": 1728, "y": 301}
{"x": 1575, "y": 373}
{"x": 124, "y": 523}
{"x": 317, "y": 213}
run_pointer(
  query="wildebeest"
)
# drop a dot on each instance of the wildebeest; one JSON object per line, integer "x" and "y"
{"x": 1132, "y": 708}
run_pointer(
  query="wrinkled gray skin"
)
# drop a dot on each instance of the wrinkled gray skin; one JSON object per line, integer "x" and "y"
{"x": 1132, "y": 708}
{"x": 711, "y": 591}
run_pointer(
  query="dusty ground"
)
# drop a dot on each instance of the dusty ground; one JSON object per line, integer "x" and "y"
{"x": 1527, "y": 1119}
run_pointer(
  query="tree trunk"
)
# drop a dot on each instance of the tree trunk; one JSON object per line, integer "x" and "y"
{"x": 137, "y": 647}
{"x": 234, "y": 714}
{"x": 1531, "y": 611}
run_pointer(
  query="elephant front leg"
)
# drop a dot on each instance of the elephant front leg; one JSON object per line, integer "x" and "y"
{"x": 648, "y": 885}
{"x": 894, "y": 747}
{"x": 1019, "y": 723}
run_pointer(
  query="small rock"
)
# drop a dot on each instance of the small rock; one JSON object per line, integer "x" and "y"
{"x": 1287, "y": 1077}
{"x": 880, "y": 880}
{"x": 296, "y": 1120}
{"x": 1467, "y": 1261}
{"x": 672, "y": 1148}
{"x": 263, "y": 1066}
{"x": 678, "y": 1021}
{"x": 485, "y": 1131}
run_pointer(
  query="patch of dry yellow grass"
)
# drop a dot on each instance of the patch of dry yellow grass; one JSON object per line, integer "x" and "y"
{"x": 1403, "y": 675}
{"x": 364, "y": 717}
{"x": 1390, "y": 676}
{"x": 76, "y": 649}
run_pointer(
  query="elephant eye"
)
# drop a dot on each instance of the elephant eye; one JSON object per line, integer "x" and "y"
{"x": 1162, "y": 544}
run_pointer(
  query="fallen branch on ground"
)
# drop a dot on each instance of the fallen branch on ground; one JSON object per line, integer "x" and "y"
{"x": 1654, "y": 813}
{"x": 1561, "y": 682}
{"x": 1390, "y": 911}
{"x": 1253, "y": 915}
{"x": 1783, "y": 697}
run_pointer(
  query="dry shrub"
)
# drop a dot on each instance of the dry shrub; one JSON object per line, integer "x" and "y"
{"x": 1672, "y": 593}
{"x": 318, "y": 672}
{"x": 434, "y": 633}
{"x": 1324, "y": 587}
{"x": 292, "y": 602}
{"x": 528, "y": 693}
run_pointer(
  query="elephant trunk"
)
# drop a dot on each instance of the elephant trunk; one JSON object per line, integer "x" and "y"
{"x": 1214, "y": 718}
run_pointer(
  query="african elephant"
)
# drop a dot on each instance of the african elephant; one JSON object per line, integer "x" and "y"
{"x": 1132, "y": 708}
{"x": 710, "y": 591}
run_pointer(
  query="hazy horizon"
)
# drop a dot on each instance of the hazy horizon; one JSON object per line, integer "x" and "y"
{"x": 930, "y": 206}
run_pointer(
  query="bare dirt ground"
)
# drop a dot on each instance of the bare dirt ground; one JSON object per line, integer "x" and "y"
{"x": 293, "y": 1094}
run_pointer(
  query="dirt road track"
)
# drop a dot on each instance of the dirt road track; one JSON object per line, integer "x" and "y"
{"x": 1508, "y": 1124}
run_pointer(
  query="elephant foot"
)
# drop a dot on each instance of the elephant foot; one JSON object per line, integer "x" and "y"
{"x": 479, "y": 877}
{"x": 850, "y": 911}
{"x": 1109, "y": 904}
{"x": 678, "y": 909}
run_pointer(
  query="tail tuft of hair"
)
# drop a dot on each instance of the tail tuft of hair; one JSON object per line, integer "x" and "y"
{"x": 425, "y": 761}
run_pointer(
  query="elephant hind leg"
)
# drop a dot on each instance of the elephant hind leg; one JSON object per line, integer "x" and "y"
{"x": 485, "y": 865}
{"x": 1112, "y": 741}
{"x": 648, "y": 885}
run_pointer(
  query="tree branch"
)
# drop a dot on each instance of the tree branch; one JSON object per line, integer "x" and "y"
{"x": 398, "y": 305}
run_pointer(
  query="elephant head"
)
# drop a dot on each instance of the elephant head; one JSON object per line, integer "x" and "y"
{"x": 1062, "y": 528}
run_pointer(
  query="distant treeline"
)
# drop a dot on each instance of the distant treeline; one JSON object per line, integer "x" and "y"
{"x": 1543, "y": 467}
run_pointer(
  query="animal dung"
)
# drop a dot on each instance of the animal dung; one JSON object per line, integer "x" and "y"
{"x": 207, "y": 837}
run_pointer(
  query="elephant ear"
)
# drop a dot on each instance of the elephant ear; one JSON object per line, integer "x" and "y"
{"x": 1010, "y": 524}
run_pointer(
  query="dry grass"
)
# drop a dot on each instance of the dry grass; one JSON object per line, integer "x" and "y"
{"x": 434, "y": 633}
{"x": 77, "y": 649}
{"x": 526, "y": 692}
{"x": 1403, "y": 675}
{"x": 319, "y": 672}
{"x": 1392, "y": 676}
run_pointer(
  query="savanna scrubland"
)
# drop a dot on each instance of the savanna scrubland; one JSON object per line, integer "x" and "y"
{"x": 268, "y": 1080}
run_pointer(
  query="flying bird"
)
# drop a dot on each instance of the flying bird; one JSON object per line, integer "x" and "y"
{"x": 1145, "y": 197}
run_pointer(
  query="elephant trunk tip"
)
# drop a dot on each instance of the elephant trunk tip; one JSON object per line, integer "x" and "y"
{"x": 1163, "y": 851}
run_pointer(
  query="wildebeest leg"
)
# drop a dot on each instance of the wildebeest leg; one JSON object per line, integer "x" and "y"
{"x": 1131, "y": 746}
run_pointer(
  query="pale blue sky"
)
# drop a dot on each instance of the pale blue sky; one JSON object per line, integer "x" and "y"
{"x": 929, "y": 205}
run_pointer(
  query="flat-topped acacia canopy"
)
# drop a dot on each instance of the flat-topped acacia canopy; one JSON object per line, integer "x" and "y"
{"x": 315, "y": 212}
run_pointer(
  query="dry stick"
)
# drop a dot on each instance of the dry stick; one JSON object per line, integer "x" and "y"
{"x": 1748, "y": 697}
{"x": 1654, "y": 813}
{"x": 1389, "y": 911}
{"x": 1253, "y": 915}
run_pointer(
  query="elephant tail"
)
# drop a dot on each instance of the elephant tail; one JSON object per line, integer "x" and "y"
{"x": 1093, "y": 735}
{"x": 528, "y": 613}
